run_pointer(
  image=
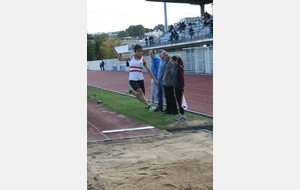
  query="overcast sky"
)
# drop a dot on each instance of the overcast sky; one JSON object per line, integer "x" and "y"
{"x": 116, "y": 15}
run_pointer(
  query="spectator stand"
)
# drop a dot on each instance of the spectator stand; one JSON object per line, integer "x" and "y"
{"x": 200, "y": 33}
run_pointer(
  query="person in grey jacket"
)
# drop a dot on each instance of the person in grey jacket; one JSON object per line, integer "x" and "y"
{"x": 160, "y": 88}
{"x": 168, "y": 85}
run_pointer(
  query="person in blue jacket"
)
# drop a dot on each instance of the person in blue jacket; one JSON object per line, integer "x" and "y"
{"x": 155, "y": 61}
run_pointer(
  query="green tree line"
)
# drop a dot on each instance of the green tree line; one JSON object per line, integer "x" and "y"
{"x": 137, "y": 30}
{"x": 98, "y": 45}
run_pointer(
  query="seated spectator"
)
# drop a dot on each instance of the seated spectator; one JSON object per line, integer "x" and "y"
{"x": 171, "y": 28}
{"x": 183, "y": 25}
{"x": 207, "y": 19}
{"x": 175, "y": 34}
{"x": 180, "y": 27}
{"x": 172, "y": 35}
{"x": 191, "y": 32}
{"x": 207, "y": 15}
{"x": 207, "y": 22}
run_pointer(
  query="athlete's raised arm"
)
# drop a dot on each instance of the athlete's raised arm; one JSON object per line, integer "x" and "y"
{"x": 120, "y": 58}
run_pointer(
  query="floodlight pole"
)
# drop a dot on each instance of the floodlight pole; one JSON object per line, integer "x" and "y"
{"x": 166, "y": 22}
{"x": 202, "y": 10}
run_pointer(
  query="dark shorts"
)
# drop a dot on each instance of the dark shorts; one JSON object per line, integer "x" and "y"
{"x": 137, "y": 84}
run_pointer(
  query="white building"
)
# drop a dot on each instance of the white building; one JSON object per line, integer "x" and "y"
{"x": 156, "y": 33}
{"x": 189, "y": 19}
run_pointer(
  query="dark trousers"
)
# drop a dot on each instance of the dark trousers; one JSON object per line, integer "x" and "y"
{"x": 170, "y": 100}
{"x": 178, "y": 94}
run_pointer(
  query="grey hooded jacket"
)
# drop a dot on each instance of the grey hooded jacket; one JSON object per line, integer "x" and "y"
{"x": 167, "y": 80}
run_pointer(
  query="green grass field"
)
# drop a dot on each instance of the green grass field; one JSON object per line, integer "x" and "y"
{"x": 134, "y": 109}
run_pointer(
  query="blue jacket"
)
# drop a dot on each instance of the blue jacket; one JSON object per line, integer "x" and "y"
{"x": 155, "y": 66}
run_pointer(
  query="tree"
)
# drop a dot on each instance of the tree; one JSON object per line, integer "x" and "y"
{"x": 106, "y": 50}
{"x": 98, "y": 40}
{"x": 148, "y": 30}
{"x": 159, "y": 27}
{"x": 136, "y": 30}
{"x": 130, "y": 31}
{"x": 123, "y": 34}
{"x": 90, "y": 48}
{"x": 140, "y": 30}
{"x": 98, "y": 46}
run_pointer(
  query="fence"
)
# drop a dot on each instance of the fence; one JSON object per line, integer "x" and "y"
{"x": 196, "y": 60}
{"x": 199, "y": 34}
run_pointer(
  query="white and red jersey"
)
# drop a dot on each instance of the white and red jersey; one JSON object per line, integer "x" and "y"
{"x": 136, "y": 69}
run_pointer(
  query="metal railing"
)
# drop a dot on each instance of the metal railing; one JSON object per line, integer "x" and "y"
{"x": 184, "y": 36}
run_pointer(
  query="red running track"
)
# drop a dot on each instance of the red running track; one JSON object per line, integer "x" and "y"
{"x": 199, "y": 88}
{"x": 99, "y": 119}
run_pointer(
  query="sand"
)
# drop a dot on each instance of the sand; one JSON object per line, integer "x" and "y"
{"x": 174, "y": 161}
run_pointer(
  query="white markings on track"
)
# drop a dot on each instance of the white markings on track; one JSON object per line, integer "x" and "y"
{"x": 130, "y": 129}
{"x": 97, "y": 129}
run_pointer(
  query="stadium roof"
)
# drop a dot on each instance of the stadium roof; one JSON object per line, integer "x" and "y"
{"x": 195, "y": 2}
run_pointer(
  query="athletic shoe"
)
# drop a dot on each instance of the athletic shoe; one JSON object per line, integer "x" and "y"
{"x": 152, "y": 108}
{"x": 177, "y": 116}
{"x": 181, "y": 118}
{"x": 128, "y": 91}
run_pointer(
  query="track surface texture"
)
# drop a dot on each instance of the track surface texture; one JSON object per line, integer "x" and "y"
{"x": 198, "y": 88}
{"x": 100, "y": 119}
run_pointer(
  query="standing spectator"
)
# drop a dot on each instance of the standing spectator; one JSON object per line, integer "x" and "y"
{"x": 172, "y": 33}
{"x": 191, "y": 32}
{"x": 168, "y": 85}
{"x": 160, "y": 87}
{"x": 151, "y": 40}
{"x": 146, "y": 39}
{"x": 102, "y": 66}
{"x": 211, "y": 28}
{"x": 154, "y": 69}
{"x": 127, "y": 66}
{"x": 178, "y": 84}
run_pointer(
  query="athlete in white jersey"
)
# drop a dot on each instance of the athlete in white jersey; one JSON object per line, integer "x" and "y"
{"x": 136, "y": 78}
{"x": 136, "y": 69}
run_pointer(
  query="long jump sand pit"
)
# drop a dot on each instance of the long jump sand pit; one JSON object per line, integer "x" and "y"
{"x": 174, "y": 161}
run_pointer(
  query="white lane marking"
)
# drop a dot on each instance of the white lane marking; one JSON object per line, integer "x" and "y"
{"x": 130, "y": 129}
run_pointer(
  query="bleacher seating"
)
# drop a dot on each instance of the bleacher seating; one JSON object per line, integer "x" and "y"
{"x": 200, "y": 33}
